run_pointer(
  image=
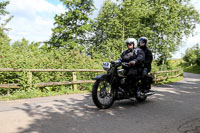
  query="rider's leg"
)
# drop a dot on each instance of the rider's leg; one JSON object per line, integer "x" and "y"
{"x": 132, "y": 75}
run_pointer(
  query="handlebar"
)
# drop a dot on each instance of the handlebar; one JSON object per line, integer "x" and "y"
{"x": 125, "y": 64}
{"x": 120, "y": 63}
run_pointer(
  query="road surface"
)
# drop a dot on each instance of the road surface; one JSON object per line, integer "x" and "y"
{"x": 174, "y": 109}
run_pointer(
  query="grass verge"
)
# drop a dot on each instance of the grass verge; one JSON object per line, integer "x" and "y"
{"x": 192, "y": 69}
{"x": 170, "y": 80}
{"x": 36, "y": 92}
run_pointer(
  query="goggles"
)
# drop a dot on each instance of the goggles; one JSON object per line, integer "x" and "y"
{"x": 130, "y": 43}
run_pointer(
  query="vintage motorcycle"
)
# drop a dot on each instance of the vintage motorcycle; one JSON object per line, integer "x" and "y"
{"x": 115, "y": 85}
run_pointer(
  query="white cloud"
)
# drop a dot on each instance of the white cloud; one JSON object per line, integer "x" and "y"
{"x": 34, "y": 6}
{"x": 41, "y": 21}
{"x": 33, "y": 19}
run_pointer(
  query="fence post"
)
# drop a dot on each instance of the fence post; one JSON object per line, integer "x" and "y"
{"x": 8, "y": 91}
{"x": 74, "y": 80}
{"x": 30, "y": 79}
{"x": 167, "y": 75}
{"x": 155, "y": 78}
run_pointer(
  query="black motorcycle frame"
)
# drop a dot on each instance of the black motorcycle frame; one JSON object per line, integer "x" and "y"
{"x": 121, "y": 89}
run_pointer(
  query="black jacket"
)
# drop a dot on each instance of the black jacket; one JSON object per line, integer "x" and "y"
{"x": 133, "y": 55}
{"x": 148, "y": 58}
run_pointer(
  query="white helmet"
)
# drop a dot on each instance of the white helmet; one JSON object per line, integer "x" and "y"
{"x": 132, "y": 41}
{"x": 143, "y": 39}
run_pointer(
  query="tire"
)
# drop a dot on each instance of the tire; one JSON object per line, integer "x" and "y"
{"x": 140, "y": 98}
{"x": 102, "y": 93}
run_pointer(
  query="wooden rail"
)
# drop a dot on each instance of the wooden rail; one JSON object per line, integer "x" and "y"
{"x": 49, "y": 70}
{"x": 167, "y": 75}
{"x": 74, "y": 82}
{"x": 29, "y": 72}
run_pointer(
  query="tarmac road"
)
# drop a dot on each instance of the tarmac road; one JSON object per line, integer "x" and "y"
{"x": 174, "y": 109}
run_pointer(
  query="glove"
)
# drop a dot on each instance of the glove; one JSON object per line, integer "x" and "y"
{"x": 118, "y": 61}
{"x": 112, "y": 62}
{"x": 132, "y": 63}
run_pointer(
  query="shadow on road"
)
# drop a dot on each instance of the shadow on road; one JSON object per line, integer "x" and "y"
{"x": 81, "y": 116}
{"x": 72, "y": 115}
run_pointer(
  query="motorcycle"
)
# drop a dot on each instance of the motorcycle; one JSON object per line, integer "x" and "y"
{"x": 115, "y": 85}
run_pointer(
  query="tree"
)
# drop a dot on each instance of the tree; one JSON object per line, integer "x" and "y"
{"x": 4, "y": 39}
{"x": 71, "y": 27}
{"x": 114, "y": 24}
{"x": 2, "y": 8}
{"x": 172, "y": 19}
{"x": 192, "y": 55}
{"x": 107, "y": 39}
{"x": 163, "y": 22}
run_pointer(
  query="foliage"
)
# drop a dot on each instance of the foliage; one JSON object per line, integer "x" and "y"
{"x": 80, "y": 43}
{"x": 192, "y": 69}
{"x": 25, "y": 55}
{"x": 33, "y": 92}
{"x": 72, "y": 27}
{"x": 172, "y": 64}
{"x": 164, "y": 22}
{"x": 192, "y": 55}
{"x": 3, "y": 7}
{"x": 4, "y": 39}
{"x": 171, "y": 80}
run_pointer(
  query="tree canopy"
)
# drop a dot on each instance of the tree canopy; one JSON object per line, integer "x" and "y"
{"x": 192, "y": 55}
{"x": 163, "y": 22}
{"x": 4, "y": 39}
{"x": 71, "y": 27}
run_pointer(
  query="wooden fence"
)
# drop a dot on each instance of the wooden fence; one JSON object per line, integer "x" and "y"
{"x": 158, "y": 76}
{"x": 164, "y": 75}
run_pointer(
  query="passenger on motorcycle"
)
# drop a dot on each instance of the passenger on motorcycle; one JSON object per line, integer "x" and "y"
{"x": 146, "y": 79}
{"x": 135, "y": 58}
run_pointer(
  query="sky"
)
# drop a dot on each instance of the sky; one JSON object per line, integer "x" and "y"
{"x": 33, "y": 20}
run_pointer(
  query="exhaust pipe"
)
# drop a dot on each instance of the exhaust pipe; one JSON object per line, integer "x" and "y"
{"x": 149, "y": 93}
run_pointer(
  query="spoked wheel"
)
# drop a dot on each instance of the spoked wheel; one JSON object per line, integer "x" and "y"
{"x": 102, "y": 94}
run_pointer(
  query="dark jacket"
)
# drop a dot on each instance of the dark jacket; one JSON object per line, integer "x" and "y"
{"x": 148, "y": 58}
{"x": 133, "y": 55}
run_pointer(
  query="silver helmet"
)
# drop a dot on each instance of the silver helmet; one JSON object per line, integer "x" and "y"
{"x": 132, "y": 41}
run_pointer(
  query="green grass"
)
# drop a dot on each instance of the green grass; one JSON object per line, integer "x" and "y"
{"x": 35, "y": 92}
{"x": 192, "y": 69}
{"x": 170, "y": 80}
{"x": 174, "y": 63}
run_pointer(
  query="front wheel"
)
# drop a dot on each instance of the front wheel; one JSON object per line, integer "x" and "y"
{"x": 102, "y": 94}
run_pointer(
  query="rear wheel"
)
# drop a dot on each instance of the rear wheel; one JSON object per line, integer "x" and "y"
{"x": 140, "y": 96}
{"x": 102, "y": 94}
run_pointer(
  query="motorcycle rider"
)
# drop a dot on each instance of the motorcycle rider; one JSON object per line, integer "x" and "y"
{"x": 134, "y": 57}
{"x": 146, "y": 79}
